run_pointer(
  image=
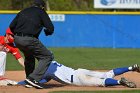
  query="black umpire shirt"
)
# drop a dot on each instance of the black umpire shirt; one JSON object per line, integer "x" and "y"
{"x": 30, "y": 21}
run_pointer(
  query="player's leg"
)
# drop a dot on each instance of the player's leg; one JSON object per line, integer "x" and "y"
{"x": 122, "y": 70}
{"x": 44, "y": 57}
{"x": 111, "y": 73}
{"x": 29, "y": 59}
{"x": 29, "y": 64}
{"x": 116, "y": 71}
{"x": 123, "y": 82}
{"x": 82, "y": 79}
{"x": 2, "y": 63}
{"x": 97, "y": 74}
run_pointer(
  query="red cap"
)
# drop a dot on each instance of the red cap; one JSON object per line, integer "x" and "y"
{"x": 8, "y": 31}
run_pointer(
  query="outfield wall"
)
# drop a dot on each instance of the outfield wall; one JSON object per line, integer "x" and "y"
{"x": 88, "y": 29}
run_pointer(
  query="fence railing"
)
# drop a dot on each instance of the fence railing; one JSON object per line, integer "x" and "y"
{"x": 76, "y": 12}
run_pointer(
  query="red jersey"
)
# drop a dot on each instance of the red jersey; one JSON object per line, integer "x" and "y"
{"x": 9, "y": 48}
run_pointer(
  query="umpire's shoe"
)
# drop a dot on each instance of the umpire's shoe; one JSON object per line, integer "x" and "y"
{"x": 127, "y": 83}
{"x": 34, "y": 83}
{"x": 136, "y": 67}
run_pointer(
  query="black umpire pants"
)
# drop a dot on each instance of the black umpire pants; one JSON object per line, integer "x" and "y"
{"x": 34, "y": 49}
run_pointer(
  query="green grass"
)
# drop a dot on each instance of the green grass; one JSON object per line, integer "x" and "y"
{"x": 97, "y": 58}
{"x": 123, "y": 91}
{"x": 89, "y": 58}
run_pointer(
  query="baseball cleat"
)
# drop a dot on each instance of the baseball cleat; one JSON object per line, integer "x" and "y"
{"x": 136, "y": 68}
{"x": 127, "y": 83}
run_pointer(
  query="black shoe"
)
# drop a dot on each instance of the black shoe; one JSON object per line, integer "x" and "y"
{"x": 127, "y": 83}
{"x": 136, "y": 68}
{"x": 34, "y": 83}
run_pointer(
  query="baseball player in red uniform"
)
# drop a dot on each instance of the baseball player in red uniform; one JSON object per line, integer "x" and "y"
{"x": 7, "y": 46}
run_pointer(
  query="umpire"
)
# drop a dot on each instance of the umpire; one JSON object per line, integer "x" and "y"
{"x": 26, "y": 27}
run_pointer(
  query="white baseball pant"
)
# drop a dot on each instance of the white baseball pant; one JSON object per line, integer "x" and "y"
{"x": 2, "y": 62}
{"x": 91, "y": 78}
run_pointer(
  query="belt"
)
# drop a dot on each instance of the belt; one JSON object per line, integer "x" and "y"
{"x": 71, "y": 78}
{"x": 23, "y": 35}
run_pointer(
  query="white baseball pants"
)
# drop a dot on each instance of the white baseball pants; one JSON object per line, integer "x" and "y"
{"x": 2, "y": 62}
{"x": 91, "y": 78}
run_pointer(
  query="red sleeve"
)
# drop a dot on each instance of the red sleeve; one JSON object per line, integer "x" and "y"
{"x": 14, "y": 51}
{"x": 2, "y": 42}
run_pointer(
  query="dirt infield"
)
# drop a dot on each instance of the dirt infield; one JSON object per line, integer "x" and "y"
{"x": 55, "y": 86}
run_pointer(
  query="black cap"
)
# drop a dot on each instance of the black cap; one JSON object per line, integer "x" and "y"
{"x": 39, "y": 3}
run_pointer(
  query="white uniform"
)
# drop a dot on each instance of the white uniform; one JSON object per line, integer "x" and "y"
{"x": 2, "y": 62}
{"x": 4, "y": 81}
{"x": 80, "y": 77}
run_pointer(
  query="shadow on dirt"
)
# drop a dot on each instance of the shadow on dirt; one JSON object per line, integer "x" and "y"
{"x": 46, "y": 86}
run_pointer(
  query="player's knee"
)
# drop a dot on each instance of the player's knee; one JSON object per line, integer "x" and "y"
{"x": 109, "y": 74}
{"x": 50, "y": 56}
{"x": 88, "y": 80}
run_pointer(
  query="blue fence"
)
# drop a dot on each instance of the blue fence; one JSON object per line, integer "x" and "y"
{"x": 89, "y": 30}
